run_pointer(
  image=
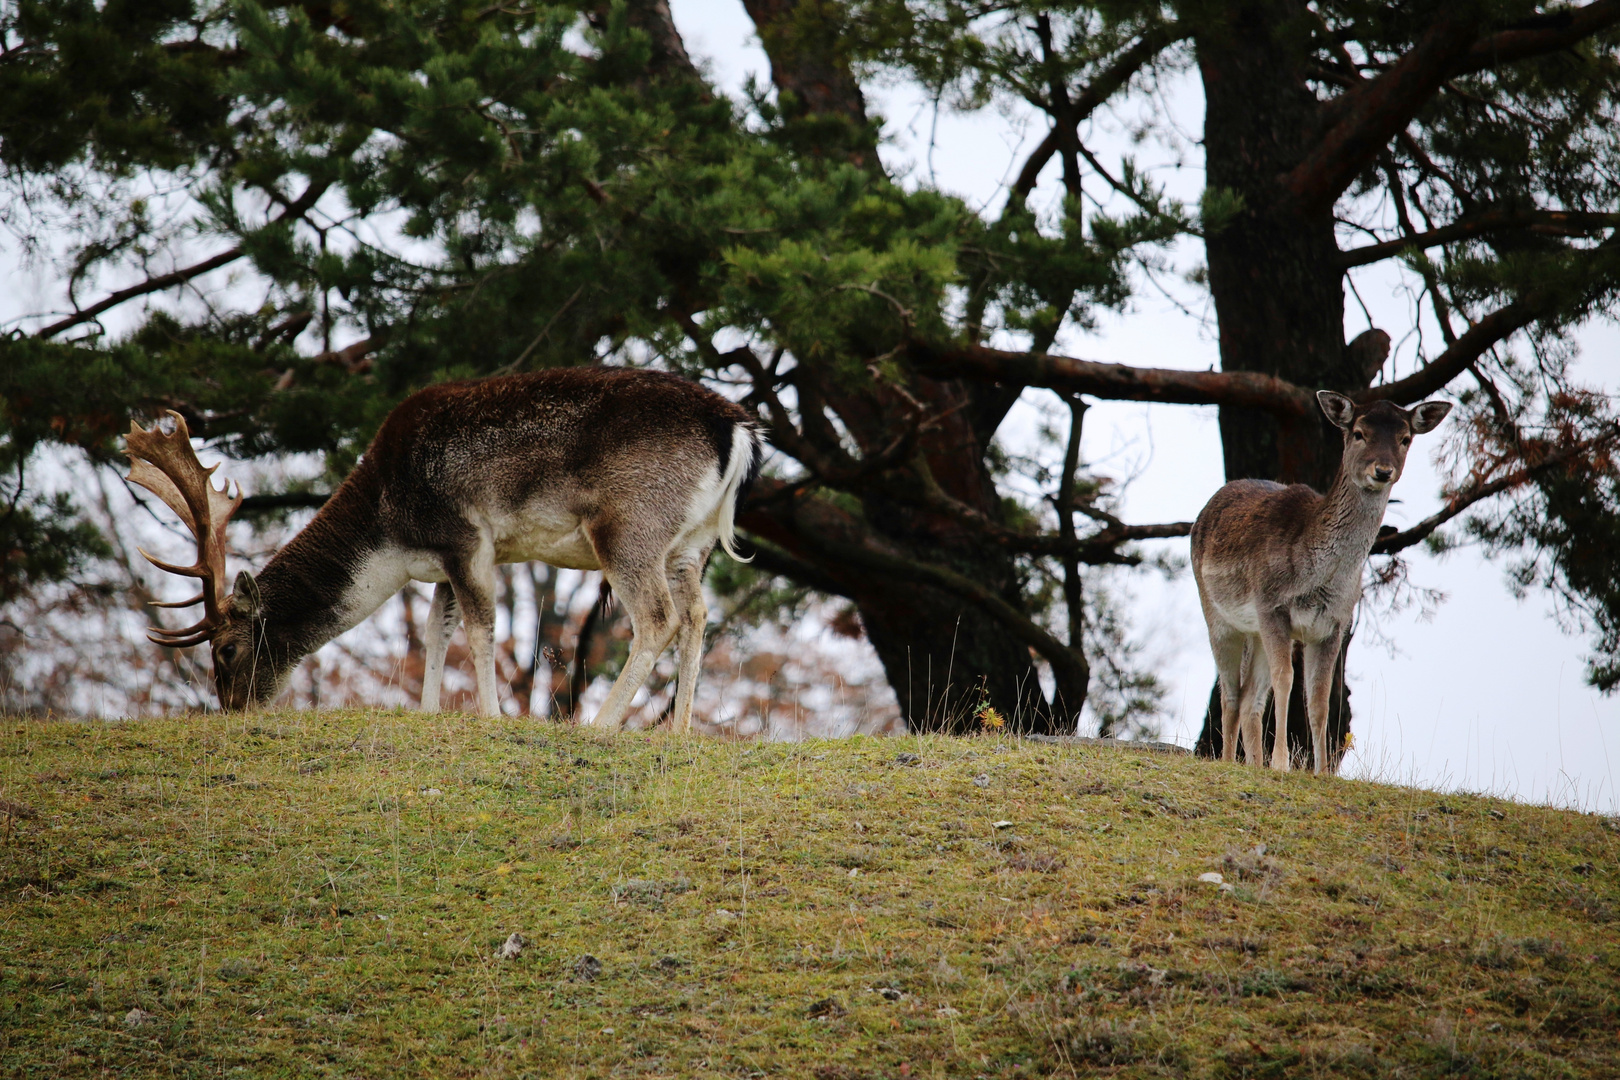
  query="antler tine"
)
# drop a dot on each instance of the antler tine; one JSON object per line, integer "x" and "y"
{"x": 203, "y": 626}
{"x": 167, "y": 466}
{"x": 179, "y": 643}
{"x": 196, "y": 570}
{"x": 173, "y": 603}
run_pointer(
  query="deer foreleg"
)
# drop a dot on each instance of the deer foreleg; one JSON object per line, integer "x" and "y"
{"x": 1252, "y": 701}
{"x": 441, "y": 623}
{"x": 1320, "y": 658}
{"x": 1227, "y": 646}
{"x": 1276, "y": 638}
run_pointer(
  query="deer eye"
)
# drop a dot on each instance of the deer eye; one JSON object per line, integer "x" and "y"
{"x": 227, "y": 652}
{"x": 1407, "y": 441}
{"x": 1358, "y": 436}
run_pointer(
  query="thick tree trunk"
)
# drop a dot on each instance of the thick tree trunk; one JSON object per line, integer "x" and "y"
{"x": 945, "y": 656}
{"x": 946, "y": 659}
{"x": 1273, "y": 269}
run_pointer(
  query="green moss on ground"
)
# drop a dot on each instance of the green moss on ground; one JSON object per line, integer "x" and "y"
{"x": 323, "y": 894}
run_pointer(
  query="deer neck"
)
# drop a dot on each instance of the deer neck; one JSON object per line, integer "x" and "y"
{"x": 321, "y": 583}
{"x": 1347, "y": 525}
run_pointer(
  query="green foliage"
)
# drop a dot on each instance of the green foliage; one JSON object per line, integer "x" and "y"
{"x": 473, "y": 188}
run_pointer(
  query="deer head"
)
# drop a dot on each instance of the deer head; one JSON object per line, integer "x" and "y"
{"x": 167, "y": 466}
{"x": 1377, "y": 436}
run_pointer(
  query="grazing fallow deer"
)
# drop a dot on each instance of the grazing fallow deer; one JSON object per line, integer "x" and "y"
{"x": 1276, "y": 565}
{"x": 635, "y": 473}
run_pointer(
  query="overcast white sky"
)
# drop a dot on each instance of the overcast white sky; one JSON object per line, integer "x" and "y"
{"x": 1487, "y": 695}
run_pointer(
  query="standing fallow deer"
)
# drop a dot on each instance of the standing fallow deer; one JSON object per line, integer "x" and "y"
{"x": 1276, "y": 565}
{"x": 635, "y": 473}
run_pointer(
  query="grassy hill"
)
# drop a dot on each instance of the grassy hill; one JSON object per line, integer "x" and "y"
{"x": 325, "y": 894}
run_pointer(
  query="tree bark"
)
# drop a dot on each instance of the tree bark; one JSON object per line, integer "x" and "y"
{"x": 944, "y": 655}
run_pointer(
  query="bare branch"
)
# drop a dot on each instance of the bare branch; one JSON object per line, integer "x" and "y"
{"x": 1539, "y": 35}
{"x": 1469, "y": 347}
{"x": 1554, "y": 222}
{"x": 1117, "y": 382}
{"x": 1067, "y": 663}
{"x": 1095, "y": 95}
{"x": 1390, "y": 543}
{"x": 1367, "y": 117}
{"x": 356, "y": 358}
{"x": 294, "y": 209}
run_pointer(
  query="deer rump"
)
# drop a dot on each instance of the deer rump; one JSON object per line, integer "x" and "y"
{"x": 635, "y": 473}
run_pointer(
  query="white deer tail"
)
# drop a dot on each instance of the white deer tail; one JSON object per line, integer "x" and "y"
{"x": 739, "y": 476}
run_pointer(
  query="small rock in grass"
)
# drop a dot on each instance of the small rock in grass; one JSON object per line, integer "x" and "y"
{"x": 907, "y": 759}
{"x": 1001, "y": 825}
{"x": 587, "y": 968}
{"x": 1498, "y": 815}
{"x": 512, "y": 947}
{"x": 982, "y": 780}
{"x": 826, "y": 1009}
{"x": 137, "y": 1016}
{"x": 891, "y": 993}
{"x": 670, "y": 963}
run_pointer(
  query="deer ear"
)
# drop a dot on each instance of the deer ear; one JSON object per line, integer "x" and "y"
{"x": 1340, "y": 409}
{"x": 245, "y": 601}
{"x": 1427, "y": 416}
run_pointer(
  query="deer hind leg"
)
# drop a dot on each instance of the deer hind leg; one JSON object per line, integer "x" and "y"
{"x": 1276, "y": 638}
{"x": 694, "y": 615}
{"x": 1320, "y": 659}
{"x": 441, "y": 623}
{"x": 1251, "y": 703}
{"x": 472, "y": 579}
{"x": 644, "y": 590}
{"x": 1227, "y": 645}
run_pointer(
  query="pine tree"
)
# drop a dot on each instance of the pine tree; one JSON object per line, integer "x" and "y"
{"x": 426, "y": 190}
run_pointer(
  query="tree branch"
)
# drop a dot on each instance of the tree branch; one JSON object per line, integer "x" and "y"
{"x": 355, "y": 358}
{"x": 1392, "y": 542}
{"x": 1117, "y": 382}
{"x": 1094, "y": 96}
{"x": 1539, "y": 36}
{"x": 1557, "y": 222}
{"x": 294, "y": 209}
{"x": 1367, "y": 117}
{"x": 1469, "y": 347}
{"x": 1363, "y": 119}
{"x": 769, "y": 557}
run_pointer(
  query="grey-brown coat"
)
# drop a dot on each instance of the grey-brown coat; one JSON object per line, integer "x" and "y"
{"x": 1276, "y": 565}
{"x": 635, "y": 473}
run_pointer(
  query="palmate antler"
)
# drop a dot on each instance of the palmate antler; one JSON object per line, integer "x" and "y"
{"x": 167, "y": 466}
